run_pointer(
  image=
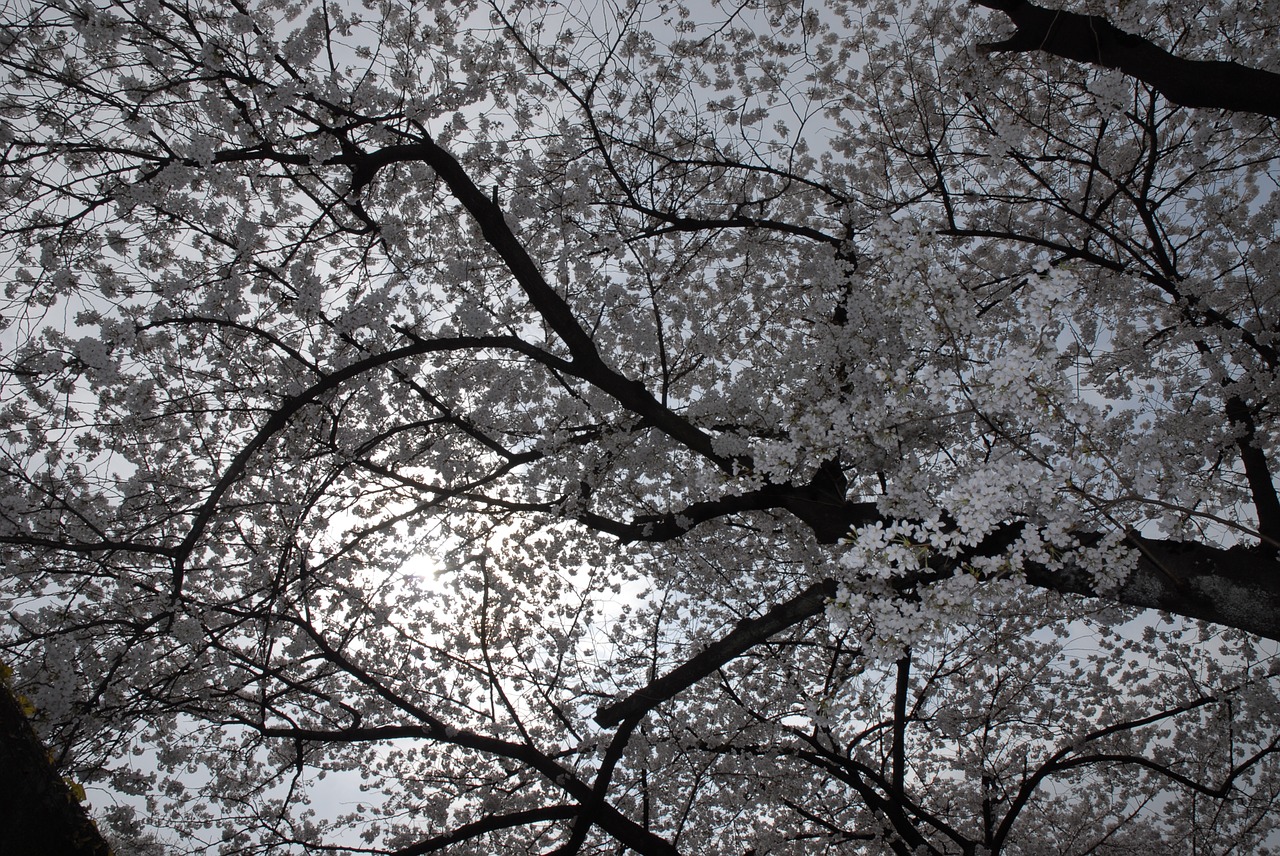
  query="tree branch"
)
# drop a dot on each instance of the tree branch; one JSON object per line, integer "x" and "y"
{"x": 747, "y": 634}
{"x": 827, "y": 514}
{"x": 614, "y": 822}
{"x": 901, "y": 689}
{"x": 1235, "y": 587}
{"x": 492, "y": 823}
{"x": 1092, "y": 39}
{"x": 554, "y": 309}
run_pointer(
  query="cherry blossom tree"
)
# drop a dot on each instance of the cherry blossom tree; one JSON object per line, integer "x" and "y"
{"x": 544, "y": 427}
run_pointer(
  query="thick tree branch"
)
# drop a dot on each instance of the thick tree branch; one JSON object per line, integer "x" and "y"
{"x": 554, "y": 309}
{"x": 902, "y": 687}
{"x": 1257, "y": 471}
{"x": 600, "y": 788}
{"x": 829, "y": 516}
{"x": 1092, "y": 39}
{"x": 1235, "y": 587}
{"x": 747, "y": 634}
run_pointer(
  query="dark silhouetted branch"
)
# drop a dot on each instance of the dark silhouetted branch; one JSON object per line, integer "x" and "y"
{"x": 484, "y": 826}
{"x": 1094, "y": 40}
{"x": 747, "y": 634}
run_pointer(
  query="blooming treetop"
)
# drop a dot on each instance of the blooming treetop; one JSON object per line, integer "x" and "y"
{"x": 809, "y": 407}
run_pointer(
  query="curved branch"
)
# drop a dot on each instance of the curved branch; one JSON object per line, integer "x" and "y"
{"x": 281, "y": 417}
{"x": 1216, "y": 792}
{"x": 1060, "y": 760}
{"x": 554, "y": 309}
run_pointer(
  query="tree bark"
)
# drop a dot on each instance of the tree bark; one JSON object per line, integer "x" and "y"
{"x": 39, "y": 815}
{"x": 1092, "y": 39}
{"x": 1239, "y": 587}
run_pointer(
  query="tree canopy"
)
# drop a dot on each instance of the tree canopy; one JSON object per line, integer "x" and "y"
{"x": 557, "y": 427}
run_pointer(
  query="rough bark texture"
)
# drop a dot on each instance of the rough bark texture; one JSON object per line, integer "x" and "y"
{"x": 39, "y": 816}
{"x": 1092, "y": 39}
{"x": 1237, "y": 588}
